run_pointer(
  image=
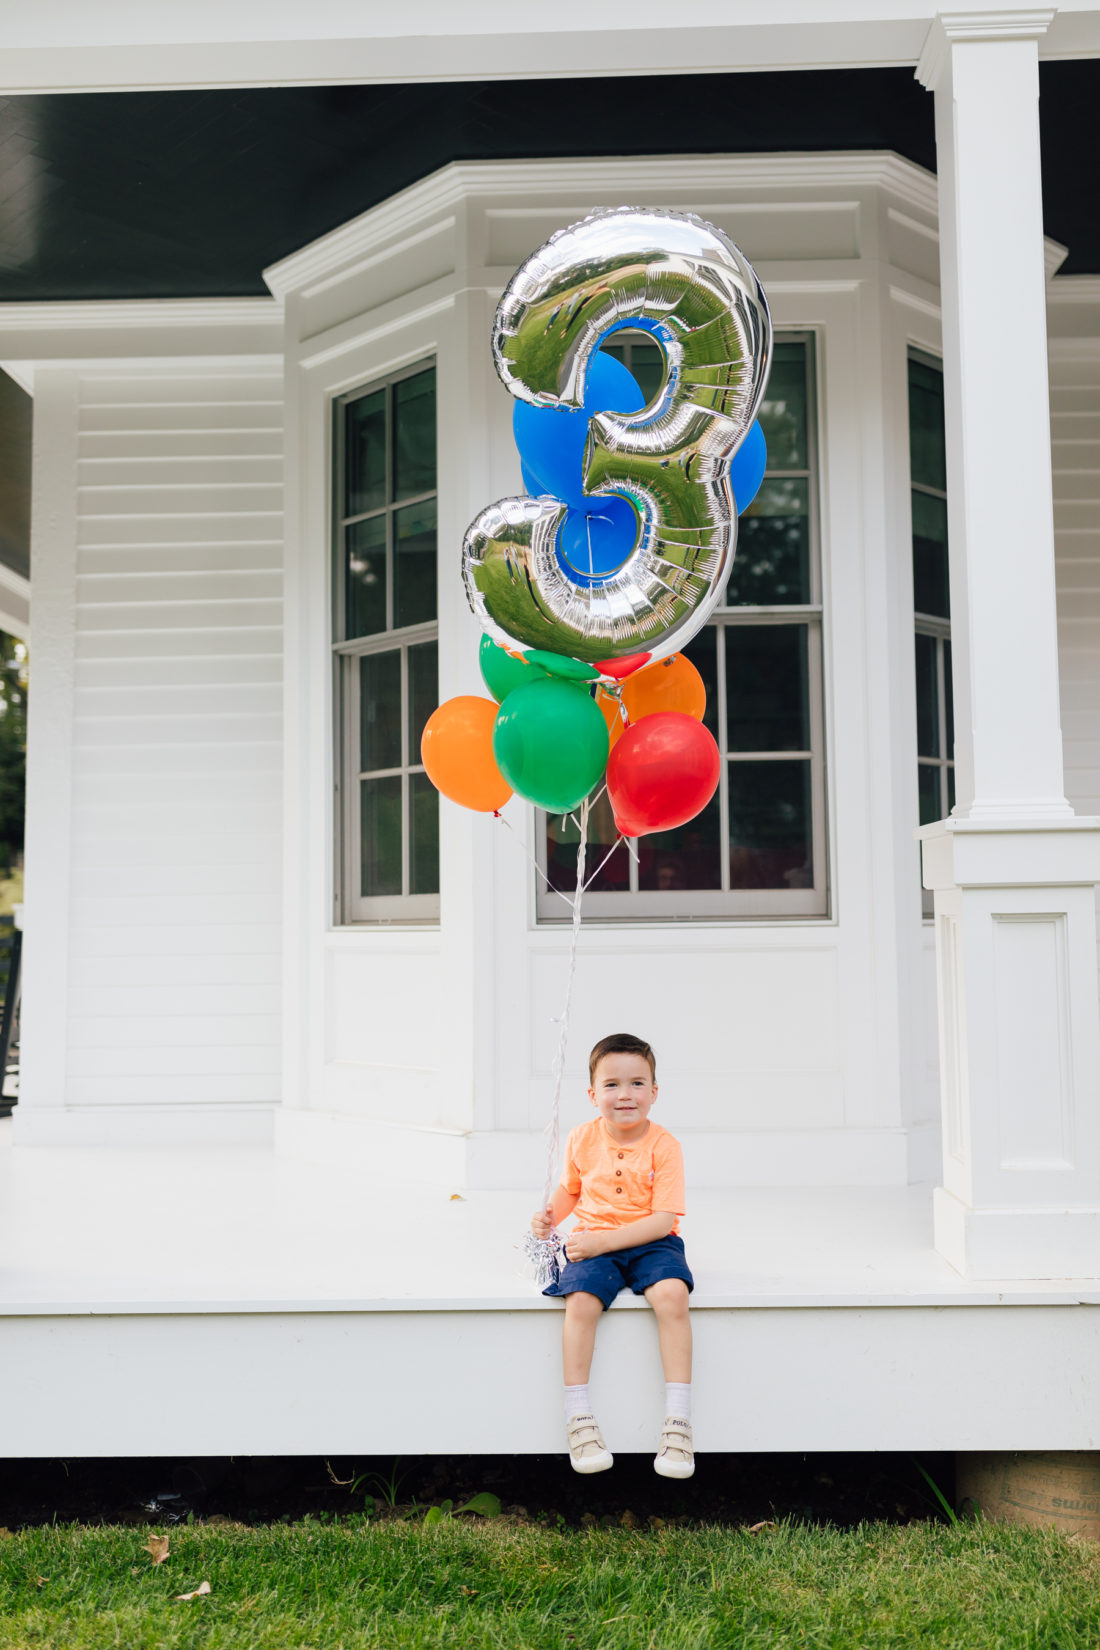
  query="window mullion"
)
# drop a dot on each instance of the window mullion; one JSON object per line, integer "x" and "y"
{"x": 724, "y": 770}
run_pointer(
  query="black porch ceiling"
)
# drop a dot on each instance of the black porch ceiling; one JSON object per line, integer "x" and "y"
{"x": 192, "y": 194}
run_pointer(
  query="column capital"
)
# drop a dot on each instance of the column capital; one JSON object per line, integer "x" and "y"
{"x": 949, "y": 28}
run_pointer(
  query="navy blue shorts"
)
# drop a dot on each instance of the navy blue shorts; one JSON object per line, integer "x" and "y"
{"x": 636, "y": 1269}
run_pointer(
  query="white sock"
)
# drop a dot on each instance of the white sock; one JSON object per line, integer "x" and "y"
{"x": 677, "y": 1399}
{"x": 576, "y": 1401}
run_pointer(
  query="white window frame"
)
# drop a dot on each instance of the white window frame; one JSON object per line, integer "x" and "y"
{"x": 350, "y": 907}
{"x": 726, "y": 904}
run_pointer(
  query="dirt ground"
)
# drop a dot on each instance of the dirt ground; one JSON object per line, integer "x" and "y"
{"x": 727, "y": 1489}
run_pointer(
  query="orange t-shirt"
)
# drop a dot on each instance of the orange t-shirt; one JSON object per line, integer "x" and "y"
{"x": 618, "y": 1184}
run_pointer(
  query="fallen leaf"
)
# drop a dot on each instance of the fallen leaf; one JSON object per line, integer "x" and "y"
{"x": 4, "y": 1530}
{"x": 656, "y": 1523}
{"x": 629, "y": 1520}
{"x": 470, "y": 1592}
{"x": 457, "y": 1197}
{"x": 40, "y": 1581}
{"x": 157, "y": 1548}
{"x": 200, "y": 1591}
{"x": 764, "y": 1524}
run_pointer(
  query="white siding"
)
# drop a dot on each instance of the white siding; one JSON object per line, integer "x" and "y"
{"x": 174, "y": 968}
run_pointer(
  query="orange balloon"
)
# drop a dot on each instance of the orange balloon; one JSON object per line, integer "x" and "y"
{"x": 457, "y": 752}
{"x": 612, "y": 715}
{"x": 671, "y": 684}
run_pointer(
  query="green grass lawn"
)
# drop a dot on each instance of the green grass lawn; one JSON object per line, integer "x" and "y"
{"x": 358, "y": 1583}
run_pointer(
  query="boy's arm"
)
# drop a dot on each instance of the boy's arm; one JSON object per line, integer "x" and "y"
{"x": 650, "y": 1228}
{"x": 561, "y": 1204}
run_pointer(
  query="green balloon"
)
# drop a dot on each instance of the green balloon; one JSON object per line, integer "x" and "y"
{"x": 550, "y": 743}
{"x": 560, "y": 664}
{"x": 501, "y": 673}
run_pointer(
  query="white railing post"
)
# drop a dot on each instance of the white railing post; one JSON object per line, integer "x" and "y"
{"x": 1013, "y": 869}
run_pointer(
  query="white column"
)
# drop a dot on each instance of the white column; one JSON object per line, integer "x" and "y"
{"x": 1013, "y": 869}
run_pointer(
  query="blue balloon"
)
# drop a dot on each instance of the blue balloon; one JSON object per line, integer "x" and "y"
{"x": 551, "y": 440}
{"x": 594, "y": 543}
{"x": 747, "y": 470}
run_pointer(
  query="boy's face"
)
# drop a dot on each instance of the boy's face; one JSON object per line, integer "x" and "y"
{"x": 623, "y": 1092}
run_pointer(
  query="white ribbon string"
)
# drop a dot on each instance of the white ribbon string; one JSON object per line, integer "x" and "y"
{"x": 553, "y": 1128}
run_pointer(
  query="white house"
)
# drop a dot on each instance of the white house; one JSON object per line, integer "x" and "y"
{"x": 287, "y": 1041}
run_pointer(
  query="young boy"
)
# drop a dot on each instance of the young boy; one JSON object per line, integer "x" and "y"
{"x": 624, "y": 1177}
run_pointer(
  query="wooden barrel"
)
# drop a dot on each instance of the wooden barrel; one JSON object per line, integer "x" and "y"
{"x": 1059, "y": 1489}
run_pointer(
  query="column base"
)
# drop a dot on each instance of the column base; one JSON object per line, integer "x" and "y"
{"x": 1016, "y": 1243}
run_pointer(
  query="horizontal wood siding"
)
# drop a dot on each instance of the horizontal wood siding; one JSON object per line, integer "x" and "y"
{"x": 174, "y": 976}
{"x": 1075, "y": 445}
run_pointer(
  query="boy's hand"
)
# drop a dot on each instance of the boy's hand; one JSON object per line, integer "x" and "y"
{"x": 583, "y": 1245}
{"x": 542, "y": 1224}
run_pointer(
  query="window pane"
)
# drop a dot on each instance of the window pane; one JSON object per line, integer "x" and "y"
{"x": 365, "y": 586}
{"x": 931, "y": 592}
{"x": 365, "y": 453}
{"x": 414, "y": 435}
{"x": 950, "y": 788}
{"x": 702, "y": 650}
{"x": 423, "y": 835}
{"x": 562, "y": 837}
{"x": 949, "y": 701}
{"x": 928, "y": 698}
{"x": 783, "y": 411}
{"x": 414, "y": 563}
{"x": 771, "y": 844}
{"x": 767, "y": 688}
{"x": 772, "y": 563}
{"x": 928, "y": 785}
{"x": 380, "y": 826}
{"x": 380, "y": 711}
{"x": 423, "y": 692}
{"x": 927, "y": 446}
{"x": 689, "y": 857}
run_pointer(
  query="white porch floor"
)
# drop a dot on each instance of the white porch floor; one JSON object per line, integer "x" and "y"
{"x": 239, "y": 1229}
{"x": 223, "y": 1301}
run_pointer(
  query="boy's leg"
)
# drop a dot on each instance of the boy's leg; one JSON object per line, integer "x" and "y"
{"x": 669, "y": 1299}
{"x": 578, "y": 1337}
{"x": 587, "y": 1450}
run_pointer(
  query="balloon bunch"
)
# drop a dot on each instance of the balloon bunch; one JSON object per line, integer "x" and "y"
{"x": 589, "y": 586}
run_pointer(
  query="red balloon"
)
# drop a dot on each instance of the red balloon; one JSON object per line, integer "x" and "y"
{"x": 621, "y": 668}
{"x": 662, "y": 772}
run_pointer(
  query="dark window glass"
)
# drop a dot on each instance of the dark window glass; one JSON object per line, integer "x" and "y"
{"x": 928, "y": 698}
{"x": 689, "y": 857}
{"x": 365, "y": 453}
{"x": 380, "y": 711}
{"x": 948, "y": 701}
{"x": 771, "y": 845}
{"x": 423, "y": 835}
{"x": 562, "y": 837}
{"x": 772, "y": 563}
{"x": 950, "y": 789}
{"x": 702, "y": 650}
{"x": 365, "y": 588}
{"x": 931, "y": 591}
{"x": 380, "y": 822}
{"x": 927, "y": 445}
{"x": 783, "y": 411}
{"x": 928, "y": 785}
{"x": 423, "y": 692}
{"x": 414, "y": 533}
{"x": 414, "y": 436}
{"x": 767, "y": 688}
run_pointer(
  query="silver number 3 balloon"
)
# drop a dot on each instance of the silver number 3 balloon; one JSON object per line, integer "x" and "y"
{"x": 684, "y": 282}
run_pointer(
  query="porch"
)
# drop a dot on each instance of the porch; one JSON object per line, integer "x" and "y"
{"x": 228, "y": 1301}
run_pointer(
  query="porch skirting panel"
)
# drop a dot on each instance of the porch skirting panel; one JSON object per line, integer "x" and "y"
{"x": 410, "y": 1381}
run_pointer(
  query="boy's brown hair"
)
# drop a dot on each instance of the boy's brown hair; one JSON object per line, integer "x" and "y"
{"x": 621, "y": 1042}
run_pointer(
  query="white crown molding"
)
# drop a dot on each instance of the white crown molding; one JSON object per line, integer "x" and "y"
{"x": 123, "y": 313}
{"x": 952, "y": 27}
{"x": 637, "y": 178}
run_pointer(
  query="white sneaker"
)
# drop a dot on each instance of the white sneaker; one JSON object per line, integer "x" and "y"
{"x": 587, "y": 1450}
{"x": 675, "y": 1457}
